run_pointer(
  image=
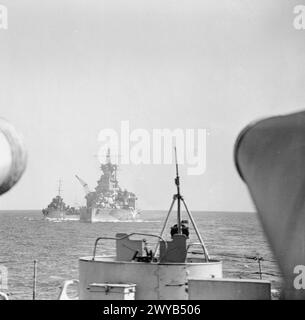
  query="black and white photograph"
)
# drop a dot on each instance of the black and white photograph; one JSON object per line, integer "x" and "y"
{"x": 152, "y": 150}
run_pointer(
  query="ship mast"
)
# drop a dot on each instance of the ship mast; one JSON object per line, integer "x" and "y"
{"x": 108, "y": 159}
{"x": 59, "y": 187}
{"x": 178, "y": 195}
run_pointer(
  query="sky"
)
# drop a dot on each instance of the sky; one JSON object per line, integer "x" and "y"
{"x": 70, "y": 68}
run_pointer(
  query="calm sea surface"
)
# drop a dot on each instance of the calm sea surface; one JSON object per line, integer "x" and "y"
{"x": 25, "y": 236}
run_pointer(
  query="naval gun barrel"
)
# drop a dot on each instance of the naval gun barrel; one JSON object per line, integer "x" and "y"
{"x": 84, "y": 184}
{"x": 13, "y": 156}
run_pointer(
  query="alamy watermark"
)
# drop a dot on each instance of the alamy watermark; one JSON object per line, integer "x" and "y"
{"x": 299, "y": 19}
{"x": 299, "y": 280}
{"x": 3, "y": 17}
{"x": 140, "y": 146}
{"x": 3, "y": 277}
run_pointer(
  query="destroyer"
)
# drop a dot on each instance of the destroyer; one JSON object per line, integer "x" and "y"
{"x": 57, "y": 209}
{"x": 108, "y": 202}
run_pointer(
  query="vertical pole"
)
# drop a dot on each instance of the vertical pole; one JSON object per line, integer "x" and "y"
{"x": 179, "y": 216}
{"x": 164, "y": 225}
{"x": 177, "y": 182}
{"x": 260, "y": 267}
{"x": 59, "y": 187}
{"x": 34, "y": 279}
{"x": 206, "y": 254}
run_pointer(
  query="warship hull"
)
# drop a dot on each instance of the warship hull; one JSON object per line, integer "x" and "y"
{"x": 54, "y": 214}
{"x": 60, "y": 215}
{"x": 107, "y": 214}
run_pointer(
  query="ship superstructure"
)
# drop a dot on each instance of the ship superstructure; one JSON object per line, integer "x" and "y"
{"x": 109, "y": 201}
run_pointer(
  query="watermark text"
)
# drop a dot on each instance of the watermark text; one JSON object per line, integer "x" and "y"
{"x": 3, "y": 17}
{"x": 3, "y": 277}
{"x": 140, "y": 146}
{"x": 299, "y": 19}
{"x": 299, "y": 280}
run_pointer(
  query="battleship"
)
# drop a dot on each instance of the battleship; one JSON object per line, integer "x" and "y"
{"x": 58, "y": 210}
{"x": 109, "y": 202}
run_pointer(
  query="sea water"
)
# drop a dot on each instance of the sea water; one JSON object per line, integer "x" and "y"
{"x": 233, "y": 237}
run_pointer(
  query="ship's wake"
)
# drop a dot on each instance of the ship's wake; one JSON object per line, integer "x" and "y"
{"x": 61, "y": 219}
{"x": 128, "y": 221}
{"x": 57, "y": 220}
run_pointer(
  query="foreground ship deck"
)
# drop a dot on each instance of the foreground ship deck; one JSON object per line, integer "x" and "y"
{"x": 174, "y": 274}
{"x": 155, "y": 280}
{"x": 162, "y": 270}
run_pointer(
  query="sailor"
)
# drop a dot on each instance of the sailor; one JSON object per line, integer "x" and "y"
{"x": 184, "y": 228}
